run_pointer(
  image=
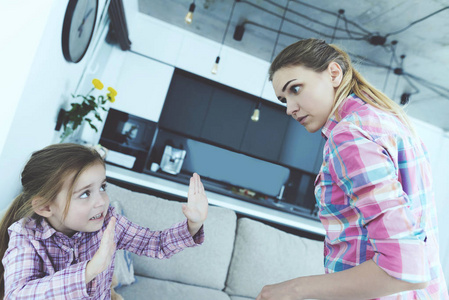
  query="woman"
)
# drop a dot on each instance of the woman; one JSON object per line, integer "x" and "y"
{"x": 374, "y": 188}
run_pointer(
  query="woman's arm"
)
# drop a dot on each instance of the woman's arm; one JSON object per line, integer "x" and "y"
{"x": 365, "y": 281}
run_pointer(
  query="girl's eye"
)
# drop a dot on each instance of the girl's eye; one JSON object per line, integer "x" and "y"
{"x": 295, "y": 89}
{"x": 103, "y": 187}
{"x": 85, "y": 195}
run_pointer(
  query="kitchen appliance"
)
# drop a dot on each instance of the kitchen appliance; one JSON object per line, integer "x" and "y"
{"x": 172, "y": 160}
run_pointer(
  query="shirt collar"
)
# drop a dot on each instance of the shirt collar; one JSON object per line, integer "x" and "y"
{"x": 44, "y": 230}
{"x": 348, "y": 106}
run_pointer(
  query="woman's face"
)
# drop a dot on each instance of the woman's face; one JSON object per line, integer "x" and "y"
{"x": 309, "y": 95}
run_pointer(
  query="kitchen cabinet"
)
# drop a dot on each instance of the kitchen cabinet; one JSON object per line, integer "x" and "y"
{"x": 186, "y": 104}
{"x": 228, "y": 115}
{"x": 265, "y": 137}
{"x": 220, "y": 115}
{"x": 302, "y": 149}
{"x": 142, "y": 85}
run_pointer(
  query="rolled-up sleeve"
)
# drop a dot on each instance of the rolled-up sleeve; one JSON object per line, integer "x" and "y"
{"x": 367, "y": 171}
{"x": 24, "y": 278}
{"x": 160, "y": 244}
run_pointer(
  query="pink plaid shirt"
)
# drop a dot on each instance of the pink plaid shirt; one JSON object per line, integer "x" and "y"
{"x": 41, "y": 263}
{"x": 375, "y": 195}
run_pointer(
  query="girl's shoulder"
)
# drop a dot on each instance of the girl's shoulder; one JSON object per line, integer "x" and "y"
{"x": 31, "y": 228}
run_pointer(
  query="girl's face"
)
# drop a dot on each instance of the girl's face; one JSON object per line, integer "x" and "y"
{"x": 309, "y": 95}
{"x": 88, "y": 206}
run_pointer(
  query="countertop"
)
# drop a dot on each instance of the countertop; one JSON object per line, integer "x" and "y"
{"x": 239, "y": 206}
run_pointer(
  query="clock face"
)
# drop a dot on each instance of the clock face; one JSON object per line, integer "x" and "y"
{"x": 79, "y": 25}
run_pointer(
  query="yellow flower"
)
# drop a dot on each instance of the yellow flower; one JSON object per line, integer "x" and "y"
{"x": 111, "y": 97}
{"x": 97, "y": 84}
{"x": 112, "y": 91}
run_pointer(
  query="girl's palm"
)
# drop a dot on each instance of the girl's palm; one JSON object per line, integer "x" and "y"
{"x": 197, "y": 204}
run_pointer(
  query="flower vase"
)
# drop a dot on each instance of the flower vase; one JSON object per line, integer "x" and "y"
{"x": 70, "y": 135}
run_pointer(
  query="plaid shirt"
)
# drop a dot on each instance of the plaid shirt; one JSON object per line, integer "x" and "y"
{"x": 41, "y": 263}
{"x": 375, "y": 198}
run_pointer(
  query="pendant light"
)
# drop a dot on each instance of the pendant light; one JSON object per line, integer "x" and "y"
{"x": 189, "y": 16}
{"x": 215, "y": 66}
{"x": 256, "y": 113}
{"x": 214, "y": 70}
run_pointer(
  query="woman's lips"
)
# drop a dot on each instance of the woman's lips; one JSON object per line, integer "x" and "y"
{"x": 301, "y": 120}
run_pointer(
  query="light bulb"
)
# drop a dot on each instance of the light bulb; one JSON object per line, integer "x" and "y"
{"x": 255, "y": 116}
{"x": 189, "y": 16}
{"x": 215, "y": 67}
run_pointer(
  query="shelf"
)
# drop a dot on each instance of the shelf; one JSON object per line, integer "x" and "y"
{"x": 176, "y": 185}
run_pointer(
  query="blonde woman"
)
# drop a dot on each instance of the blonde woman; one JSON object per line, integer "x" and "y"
{"x": 374, "y": 188}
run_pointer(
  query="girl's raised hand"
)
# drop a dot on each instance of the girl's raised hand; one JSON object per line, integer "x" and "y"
{"x": 197, "y": 205}
{"x": 103, "y": 257}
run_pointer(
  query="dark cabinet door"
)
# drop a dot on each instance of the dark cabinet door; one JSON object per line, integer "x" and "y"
{"x": 265, "y": 137}
{"x": 227, "y": 117}
{"x": 186, "y": 104}
{"x": 302, "y": 149}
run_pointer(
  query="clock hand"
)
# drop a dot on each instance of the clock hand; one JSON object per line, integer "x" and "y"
{"x": 80, "y": 28}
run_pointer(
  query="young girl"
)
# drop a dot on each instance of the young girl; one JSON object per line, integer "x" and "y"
{"x": 59, "y": 236}
{"x": 374, "y": 188}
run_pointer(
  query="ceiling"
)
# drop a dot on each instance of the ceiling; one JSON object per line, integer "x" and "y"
{"x": 425, "y": 44}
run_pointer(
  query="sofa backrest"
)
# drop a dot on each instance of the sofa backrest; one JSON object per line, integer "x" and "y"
{"x": 206, "y": 265}
{"x": 266, "y": 255}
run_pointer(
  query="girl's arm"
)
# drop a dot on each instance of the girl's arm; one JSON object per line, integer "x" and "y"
{"x": 365, "y": 281}
{"x": 25, "y": 279}
{"x": 166, "y": 243}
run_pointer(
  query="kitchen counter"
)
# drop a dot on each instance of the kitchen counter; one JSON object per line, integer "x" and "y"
{"x": 239, "y": 206}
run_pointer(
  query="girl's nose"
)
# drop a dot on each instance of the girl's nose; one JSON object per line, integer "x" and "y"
{"x": 100, "y": 200}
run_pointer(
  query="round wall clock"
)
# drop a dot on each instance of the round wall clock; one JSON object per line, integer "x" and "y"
{"x": 79, "y": 24}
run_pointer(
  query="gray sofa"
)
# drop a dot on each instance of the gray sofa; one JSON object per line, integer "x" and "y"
{"x": 237, "y": 258}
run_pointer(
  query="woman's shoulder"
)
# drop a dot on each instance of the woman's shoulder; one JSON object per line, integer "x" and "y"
{"x": 375, "y": 122}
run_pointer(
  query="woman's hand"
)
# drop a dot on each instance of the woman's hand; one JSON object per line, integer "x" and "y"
{"x": 282, "y": 291}
{"x": 197, "y": 205}
{"x": 103, "y": 257}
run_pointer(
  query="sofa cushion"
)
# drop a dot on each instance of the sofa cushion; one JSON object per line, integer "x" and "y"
{"x": 265, "y": 255}
{"x": 124, "y": 268}
{"x": 149, "y": 288}
{"x": 206, "y": 265}
{"x": 240, "y": 298}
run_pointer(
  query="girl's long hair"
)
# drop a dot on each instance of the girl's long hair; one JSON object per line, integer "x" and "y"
{"x": 42, "y": 179}
{"x": 316, "y": 55}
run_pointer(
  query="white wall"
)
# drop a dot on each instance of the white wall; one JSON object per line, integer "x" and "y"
{"x": 18, "y": 19}
{"x": 36, "y": 81}
{"x": 443, "y": 201}
{"x": 437, "y": 143}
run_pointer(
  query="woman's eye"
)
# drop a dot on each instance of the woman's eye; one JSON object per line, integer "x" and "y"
{"x": 85, "y": 195}
{"x": 295, "y": 89}
{"x": 103, "y": 187}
